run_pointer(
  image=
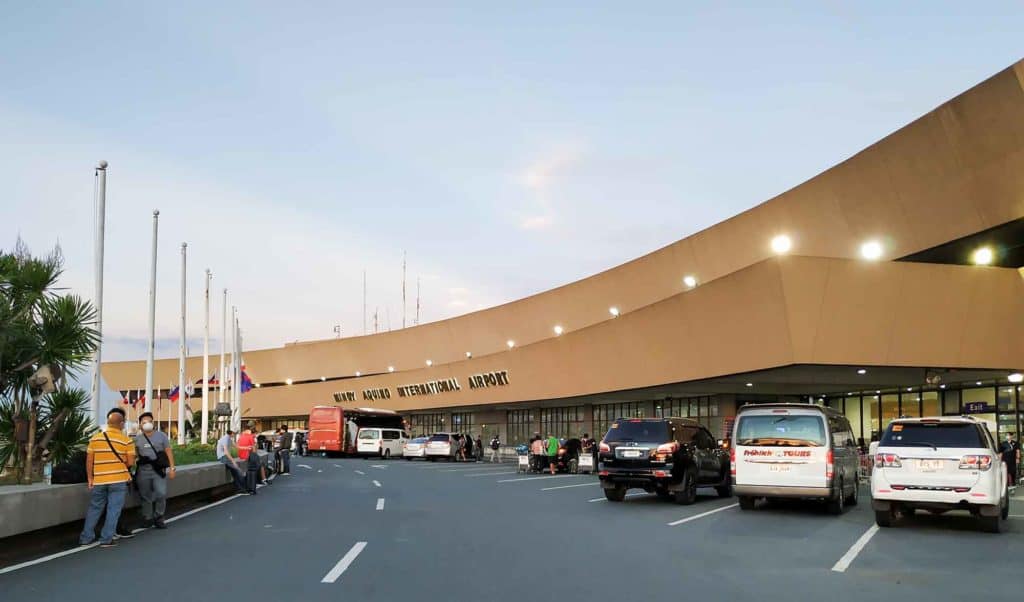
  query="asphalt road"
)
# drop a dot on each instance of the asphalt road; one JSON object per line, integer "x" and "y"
{"x": 482, "y": 532}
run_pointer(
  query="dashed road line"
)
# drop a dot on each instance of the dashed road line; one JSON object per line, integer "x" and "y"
{"x": 489, "y": 474}
{"x": 306, "y": 466}
{"x": 377, "y": 466}
{"x": 855, "y": 549}
{"x": 551, "y": 476}
{"x": 360, "y": 472}
{"x": 337, "y": 465}
{"x": 568, "y": 486}
{"x": 702, "y": 515}
{"x": 344, "y": 563}
{"x": 376, "y": 483}
{"x": 380, "y": 503}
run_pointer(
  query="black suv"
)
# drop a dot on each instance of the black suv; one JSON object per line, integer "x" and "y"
{"x": 668, "y": 456}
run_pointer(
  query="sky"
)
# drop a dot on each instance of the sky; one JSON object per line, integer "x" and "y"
{"x": 506, "y": 148}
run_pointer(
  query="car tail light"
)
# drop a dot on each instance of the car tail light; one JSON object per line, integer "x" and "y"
{"x": 976, "y": 462}
{"x": 887, "y": 461}
{"x": 732, "y": 461}
{"x": 602, "y": 473}
{"x": 604, "y": 447}
{"x": 665, "y": 451}
{"x": 829, "y": 465}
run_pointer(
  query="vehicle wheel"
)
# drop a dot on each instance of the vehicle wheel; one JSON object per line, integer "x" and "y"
{"x": 725, "y": 490}
{"x": 688, "y": 494}
{"x": 663, "y": 493}
{"x": 837, "y": 505}
{"x": 616, "y": 494}
{"x": 885, "y": 518}
{"x": 432, "y": 458}
{"x": 574, "y": 467}
{"x": 852, "y": 500}
{"x": 992, "y": 524}
{"x": 387, "y": 454}
{"x": 746, "y": 502}
{"x": 407, "y": 458}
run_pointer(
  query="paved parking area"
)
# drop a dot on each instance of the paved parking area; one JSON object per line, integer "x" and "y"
{"x": 369, "y": 530}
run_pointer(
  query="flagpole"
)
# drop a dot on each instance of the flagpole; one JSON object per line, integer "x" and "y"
{"x": 238, "y": 420}
{"x": 234, "y": 365}
{"x": 181, "y": 351}
{"x": 221, "y": 380}
{"x": 206, "y": 358}
{"x": 152, "y": 316}
{"x": 100, "y": 234}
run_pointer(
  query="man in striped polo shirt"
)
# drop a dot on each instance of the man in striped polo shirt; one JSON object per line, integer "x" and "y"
{"x": 108, "y": 457}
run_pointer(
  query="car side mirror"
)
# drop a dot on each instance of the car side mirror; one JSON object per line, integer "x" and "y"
{"x": 873, "y": 448}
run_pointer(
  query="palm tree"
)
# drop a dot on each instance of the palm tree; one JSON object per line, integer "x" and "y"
{"x": 40, "y": 326}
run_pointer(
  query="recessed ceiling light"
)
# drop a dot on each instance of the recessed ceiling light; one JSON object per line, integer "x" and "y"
{"x": 287, "y": 381}
{"x": 391, "y": 368}
{"x": 942, "y": 386}
{"x": 510, "y": 343}
{"x": 690, "y": 281}
{"x": 982, "y": 256}
{"x": 862, "y": 371}
{"x": 1016, "y": 377}
{"x": 323, "y": 378}
{"x": 614, "y": 311}
{"x": 750, "y": 384}
{"x": 558, "y": 330}
{"x": 469, "y": 354}
{"x": 910, "y": 388}
{"x": 358, "y": 373}
{"x": 871, "y": 250}
{"x": 978, "y": 383}
{"x": 430, "y": 363}
{"x": 782, "y": 244}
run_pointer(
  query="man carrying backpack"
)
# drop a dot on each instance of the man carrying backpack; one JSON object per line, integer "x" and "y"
{"x": 156, "y": 465}
{"x": 495, "y": 446}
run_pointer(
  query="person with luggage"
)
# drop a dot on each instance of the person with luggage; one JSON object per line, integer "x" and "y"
{"x": 478, "y": 449}
{"x": 537, "y": 450}
{"x": 286, "y": 450}
{"x": 224, "y": 457}
{"x": 552, "y": 449}
{"x": 1010, "y": 451}
{"x": 255, "y": 473}
{"x": 155, "y": 468}
{"x": 108, "y": 458}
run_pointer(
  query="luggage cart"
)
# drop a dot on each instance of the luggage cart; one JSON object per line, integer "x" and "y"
{"x": 524, "y": 463}
{"x": 586, "y": 463}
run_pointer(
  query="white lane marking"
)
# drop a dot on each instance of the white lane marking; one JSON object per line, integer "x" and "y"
{"x": 319, "y": 471}
{"x": 376, "y": 483}
{"x": 380, "y": 503}
{"x": 489, "y": 474}
{"x": 604, "y": 499}
{"x": 337, "y": 465}
{"x": 701, "y": 515}
{"x": 568, "y": 486}
{"x": 851, "y": 554}
{"x": 475, "y": 468}
{"x": 360, "y": 472}
{"x": 306, "y": 466}
{"x": 550, "y": 476}
{"x": 344, "y": 563}
{"x": 378, "y": 466}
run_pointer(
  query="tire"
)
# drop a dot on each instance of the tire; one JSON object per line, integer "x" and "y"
{"x": 617, "y": 494}
{"x": 387, "y": 454}
{"x": 725, "y": 490}
{"x": 886, "y": 518}
{"x": 746, "y": 502}
{"x": 837, "y": 505}
{"x": 407, "y": 458}
{"x": 852, "y": 500}
{"x": 574, "y": 467}
{"x": 664, "y": 494}
{"x": 688, "y": 494}
{"x": 997, "y": 523}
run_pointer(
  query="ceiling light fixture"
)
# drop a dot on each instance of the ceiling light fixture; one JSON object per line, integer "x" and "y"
{"x": 614, "y": 311}
{"x": 391, "y": 368}
{"x": 871, "y": 250}
{"x": 469, "y": 354}
{"x": 510, "y": 343}
{"x": 558, "y": 330}
{"x": 690, "y": 281}
{"x": 862, "y": 371}
{"x": 982, "y": 256}
{"x": 287, "y": 381}
{"x": 1016, "y": 377}
{"x": 430, "y": 363}
{"x": 781, "y": 244}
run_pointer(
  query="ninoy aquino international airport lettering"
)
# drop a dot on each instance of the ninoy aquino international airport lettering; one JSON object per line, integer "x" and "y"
{"x": 376, "y": 394}
{"x": 341, "y": 396}
{"x": 488, "y": 379}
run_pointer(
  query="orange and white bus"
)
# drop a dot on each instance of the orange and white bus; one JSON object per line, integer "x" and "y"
{"x": 333, "y": 430}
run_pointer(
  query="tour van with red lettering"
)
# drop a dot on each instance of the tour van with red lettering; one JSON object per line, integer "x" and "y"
{"x": 790, "y": 450}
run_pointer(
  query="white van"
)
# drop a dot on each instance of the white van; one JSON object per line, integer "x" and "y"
{"x": 381, "y": 442}
{"x": 789, "y": 450}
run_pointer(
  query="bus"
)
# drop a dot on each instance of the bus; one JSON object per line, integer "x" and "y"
{"x": 333, "y": 430}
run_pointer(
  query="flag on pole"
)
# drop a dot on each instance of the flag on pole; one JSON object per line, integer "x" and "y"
{"x": 124, "y": 397}
{"x": 246, "y": 382}
{"x": 174, "y": 395}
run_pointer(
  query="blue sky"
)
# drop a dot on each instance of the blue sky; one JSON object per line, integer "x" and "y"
{"x": 507, "y": 147}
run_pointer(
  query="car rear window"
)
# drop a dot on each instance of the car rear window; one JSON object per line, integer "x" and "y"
{"x": 932, "y": 434}
{"x": 781, "y": 430}
{"x": 419, "y": 440}
{"x": 440, "y": 438}
{"x": 369, "y": 434}
{"x": 647, "y": 431}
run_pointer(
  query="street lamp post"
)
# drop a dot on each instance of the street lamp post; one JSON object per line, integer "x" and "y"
{"x": 100, "y": 233}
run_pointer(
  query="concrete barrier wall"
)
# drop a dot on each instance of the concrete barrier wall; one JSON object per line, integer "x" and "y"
{"x": 25, "y": 508}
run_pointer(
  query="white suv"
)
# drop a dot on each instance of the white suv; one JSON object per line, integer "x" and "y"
{"x": 938, "y": 465}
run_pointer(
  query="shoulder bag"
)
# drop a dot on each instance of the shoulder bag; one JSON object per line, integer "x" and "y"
{"x": 121, "y": 460}
{"x": 161, "y": 463}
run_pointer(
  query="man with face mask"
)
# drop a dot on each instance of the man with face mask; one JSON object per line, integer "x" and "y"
{"x": 156, "y": 465}
{"x": 108, "y": 458}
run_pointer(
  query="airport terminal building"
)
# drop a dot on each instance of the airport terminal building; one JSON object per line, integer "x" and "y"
{"x": 889, "y": 285}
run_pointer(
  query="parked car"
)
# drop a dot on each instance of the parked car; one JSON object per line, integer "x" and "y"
{"x": 795, "y": 450}
{"x": 789, "y": 450}
{"x": 441, "y": 445}
{"x": 381, "y": 442}
{"x": 668, "y": 456}
{"x": 415, "y": 448}
{"x": 938, "y": 465}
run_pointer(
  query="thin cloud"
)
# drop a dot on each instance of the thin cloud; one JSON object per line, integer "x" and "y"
{"x": 537, "y": 222}
{"x": 539, "y": 178}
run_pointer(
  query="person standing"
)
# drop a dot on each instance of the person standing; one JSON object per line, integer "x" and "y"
{"x": 495, "y": 446}
{"x": 1010, "y": 451}
{"x": 156, "y": 466}
{"x": 248, "y": 452}
{"x": 537, "y": 449}
{"x": 552, "y": 451}
{"x": 286, "y": 450}
{"x": 478, "y": 449}
{"x": 224, "y": 457}
{"x": 108, "y": 458}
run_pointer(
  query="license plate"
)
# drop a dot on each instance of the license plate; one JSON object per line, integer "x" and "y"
{"x": 929, "y": 465}
{"x": 779, "y": 467}
{"x": 631, "y": 453}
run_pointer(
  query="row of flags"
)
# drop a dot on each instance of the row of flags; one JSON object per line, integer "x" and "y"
{"x": 140, "y": 397}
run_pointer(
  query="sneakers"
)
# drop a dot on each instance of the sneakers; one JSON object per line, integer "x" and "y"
{"x": 124, "y": 534}
{"x": 148, "y": 523}
{"x": 159, "y": 523}
{"x": 108, "y": 544}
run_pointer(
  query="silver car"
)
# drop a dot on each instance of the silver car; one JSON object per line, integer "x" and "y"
{"x": 415, "y": 448}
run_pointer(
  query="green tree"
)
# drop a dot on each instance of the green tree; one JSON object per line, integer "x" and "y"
{"x": 41, "y": 326}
